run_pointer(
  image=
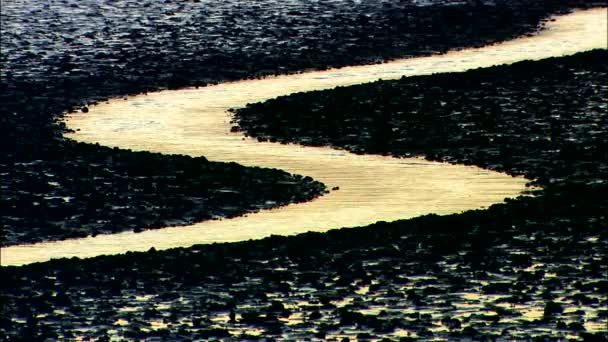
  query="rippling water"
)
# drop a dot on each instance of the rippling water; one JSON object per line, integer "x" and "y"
{"x": 372, "y": 188}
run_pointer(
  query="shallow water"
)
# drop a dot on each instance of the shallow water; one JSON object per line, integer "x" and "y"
{"x": 372, "y": 188}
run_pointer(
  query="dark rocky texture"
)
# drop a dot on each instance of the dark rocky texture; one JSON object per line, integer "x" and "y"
{"x": 143, "y": 44}
{"x": 65, "y": 55}
{"x": 531, "y": 268}
{"x": 546, "y": 120}
{"x": 471, "y": 275}
{"x": 83, "y": 189}
{"x": 547, "y": 253}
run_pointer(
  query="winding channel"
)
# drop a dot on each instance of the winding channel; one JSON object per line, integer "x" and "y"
{"x": 371, "y": 188}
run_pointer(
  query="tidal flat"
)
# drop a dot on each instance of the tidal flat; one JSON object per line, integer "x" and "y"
{"x": 61, "y": 57}
{"x": 533, "y": 267}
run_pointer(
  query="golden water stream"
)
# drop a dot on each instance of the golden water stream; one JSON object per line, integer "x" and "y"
{"x": 372, "y": 188}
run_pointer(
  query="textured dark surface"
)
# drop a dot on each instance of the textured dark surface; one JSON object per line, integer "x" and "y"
{"x": 546, "y": 120}
{"x": 87, "y": 190}
{"x": 60, "y": 55}
{"x": 532, "y": 268}
{"x": 547, "y": 252}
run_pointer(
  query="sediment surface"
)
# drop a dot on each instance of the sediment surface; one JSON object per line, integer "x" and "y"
{"x": 193, "y": 121}
{"x": 545, "y": 120}
{"x": 530, "y": 268}
{"x": 59, "y": 55}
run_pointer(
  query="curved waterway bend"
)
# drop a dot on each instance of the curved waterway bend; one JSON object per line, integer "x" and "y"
{"x": 372, "y": 188}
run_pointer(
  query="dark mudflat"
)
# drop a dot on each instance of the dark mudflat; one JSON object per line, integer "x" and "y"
{"x": 58, "y": 56}
{"x": 84, "y": 190}
{"x": 466, "y": 276}
{"x": 413, "y": 271}
{"x": 545, "y": 120}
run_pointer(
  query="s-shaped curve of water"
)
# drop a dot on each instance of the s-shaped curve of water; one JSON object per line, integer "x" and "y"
{"x": 372, "y": 188}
